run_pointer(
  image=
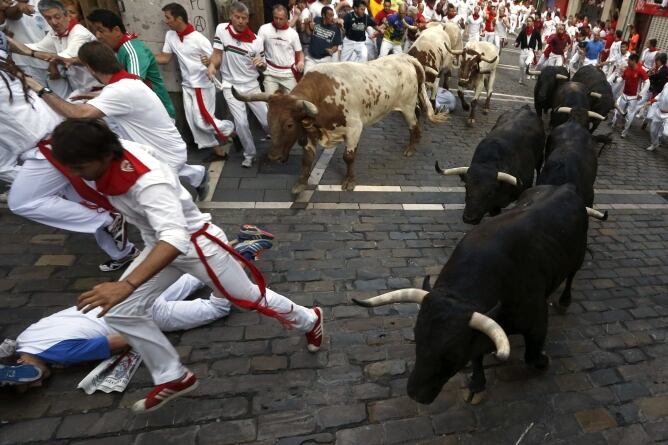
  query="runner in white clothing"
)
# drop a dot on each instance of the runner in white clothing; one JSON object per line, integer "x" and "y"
{"x": 135, "y": 110}
{"x": 39, "y": 191}
{"x": 26, "y": 24}
{"x": 282, "y": 51}
{"x": 473, "y": 25}
{"x": 199, "y": 94}
{"x": 62, "y": 43}
{"x": 240, "y": 56}
{"x": 179, "y": 239}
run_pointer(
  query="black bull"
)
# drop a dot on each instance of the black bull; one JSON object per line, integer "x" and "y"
{"x": 503, "y": 164}
{"x": 600, "y": 91}
{"x": 549, "y": 80}
{"x": 571, "y": 158}
{"x": 506, "y": 269}
{"x": 570, "y": 96}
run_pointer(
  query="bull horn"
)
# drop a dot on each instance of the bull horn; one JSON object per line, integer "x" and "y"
{"x": 595, "y": 94}
{"x": 411, "y": 295}
{"x": 254, "y": 97}
{"x": 563, "y": 110}
{"x": 430, "y": 70}
{"x": 534, "y": 72}
{"x": 310, "y": 109}
{"x": 595, "y": 115}
{"x": 456, "y": 52}
{"x": 491, "y": 328}
{"x": 482, "y": 57}
{"x": 618, "y": 108}
{"x": 451, "y": 171}
{"x": 561, "y": 77}
{"x": 505, "y": 177}
{"x": 596, "y": 214}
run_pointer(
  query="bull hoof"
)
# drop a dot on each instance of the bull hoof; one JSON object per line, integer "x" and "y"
{"x": 473, "y": 398}
{"x": 298, "y": 188}
{"x": 348, "y": 185}
{"x": 485, "y": 110}
{"x": 410, "y": 151}
{"x": 466, "y": 107}
{"x": 541, "y": 362}
{"x": 470, "y": 122}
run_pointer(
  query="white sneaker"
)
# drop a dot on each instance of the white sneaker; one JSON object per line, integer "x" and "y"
{"x": 624, "y": 134}
{"x": 651, "y": 148}
{"x": 247, "y": 163}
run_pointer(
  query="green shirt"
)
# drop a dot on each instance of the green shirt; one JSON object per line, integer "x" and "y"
{"x": 137, "y": 59}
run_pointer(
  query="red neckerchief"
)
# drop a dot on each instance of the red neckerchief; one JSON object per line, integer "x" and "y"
{"x": 121, "y": 174}
{"x": 126, "y": 38}
{"x": 529, "y": 31}
{"x": 451, "y": 16}
{"x": 73, "y": 22}
{"x": 280, "y": 28}
{"x": 122, "y": 74}
{"x": 246, "y": 36}
{"x": 475, "y": 16}
{"x": 652, "y": 49}
{"x": 190, "y": 28}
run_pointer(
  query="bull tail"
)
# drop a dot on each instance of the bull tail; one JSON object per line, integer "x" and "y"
{"x": 423, "y": 97}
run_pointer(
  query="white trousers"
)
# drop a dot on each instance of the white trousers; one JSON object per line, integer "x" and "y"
{"x": 555, "y": 60}
{"x": 388, "y": 47}
{"x": 474, "y": 37}
{"x": 192, "y": 174}
{"x": 132, "y": 317}
{"x": 590, "y": 62}
{"x": 202, "y": 131}
{"x": 630, "y": 105}
{"x": 42, "y": 194}
{"x": 525, "y": 60}
{"x": 240, "y": 116}
{"x": 354, "y": 51}
{"x": 273, "y": 84}
{"x": 171, "y": 313}
{"x": 492, "y": 37}
{"x": 658, "y": 128}
{"x": 310, "y": 62}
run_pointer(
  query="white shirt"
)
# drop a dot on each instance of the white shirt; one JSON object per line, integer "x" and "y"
{"x": 456, "y": 19}
{"x": 315, "y": 9}
{"x": 28, "y": 29}
{"x": 615, "y": 50}
{"x": 68, "y": 324}
{"x": 237, "y": 67}
{"x": 160, "y": 207}
{"x": 77, "y": 75}
{"x": 500, "y": 28}
{"x": 22, "y": 123}
{"x": 571, "y": 31}
{"x": 430, "y": 14}
{"x": 280, "y": 46}
{"x": 139, "y": 116}
{"x": 647, "y": 58}
{"x": 473, "y": 25}
{"x": 188, "y": 53}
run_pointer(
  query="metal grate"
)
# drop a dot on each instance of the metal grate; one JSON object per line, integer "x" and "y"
{"x": 658, "y": 30}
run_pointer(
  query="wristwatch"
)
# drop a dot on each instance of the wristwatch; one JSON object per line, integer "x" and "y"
{"x": 43, "y": 91}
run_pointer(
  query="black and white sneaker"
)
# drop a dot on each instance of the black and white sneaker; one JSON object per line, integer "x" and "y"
{"x": 203, "y": 188}
{"x": 112, "y": 265}
{"x": 118, "y": 229}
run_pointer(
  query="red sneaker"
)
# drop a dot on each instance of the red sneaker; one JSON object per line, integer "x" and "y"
{"x": 314, "y": 338}
{"x": 162, "y": 394}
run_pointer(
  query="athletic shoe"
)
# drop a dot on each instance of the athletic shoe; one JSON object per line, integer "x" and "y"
{"x": 249, "y": 231}
{"x": 118, "y": 229}
{"x": 314, "y": 338}
{"x": 112, "y": 265}
{"x": 162, "y": 394}
{"x": 203, "y": 188}
{"x": 252, "y": 249}
{"x": 18, "y": 374}
{"x": 247, "y": 163}
{"x": 624, "y": 134}
{"x": 651, "y": 148}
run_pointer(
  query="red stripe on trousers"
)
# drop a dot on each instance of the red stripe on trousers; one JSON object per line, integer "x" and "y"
{"x": 207, "y": 117}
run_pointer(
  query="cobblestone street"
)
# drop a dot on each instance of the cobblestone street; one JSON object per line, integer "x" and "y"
{"x": 608, "y": 378}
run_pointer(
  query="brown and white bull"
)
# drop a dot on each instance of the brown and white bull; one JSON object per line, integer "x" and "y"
{"x": 430, "y": 49}
{"x": 333, "y": 103}
{"x": 477, "y": 70}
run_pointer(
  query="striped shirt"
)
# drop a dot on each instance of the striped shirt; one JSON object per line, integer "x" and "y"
{"x": 237, "y": 66}
{"x": 137, "y": 59}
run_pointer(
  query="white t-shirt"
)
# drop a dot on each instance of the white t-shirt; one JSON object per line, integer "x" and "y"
{"x": 159, "y": 206}
{"x": 280, "y": 46}
{"x": 474, "y": 25}
{"x": 77, "y": 75}
{"x": 456, "y": 19}
{"x": 28, "y": 29}
{"x": 188, "y": 53}
{"x": 139, "y": 116}
{"x": 23, "y": 123}
{"x": 237, "y": 66}
{"x": 430, "y": 14}
{"x": 315, "y": 9}
{"x": 500, "y": 28}
{"x": 68, "y": 324}
{"x": 647, "y": 58}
